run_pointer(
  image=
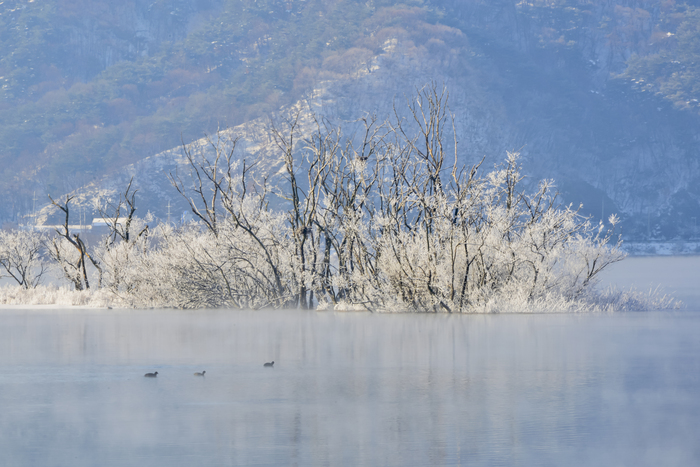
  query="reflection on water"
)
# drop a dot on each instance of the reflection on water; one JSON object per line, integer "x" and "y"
{"x": 348, "y": 389}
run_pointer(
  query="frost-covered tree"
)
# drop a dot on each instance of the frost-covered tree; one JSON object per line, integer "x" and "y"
{"x": 70, "y": 252}
{"x": 121, "y": 249}
{"x": 383, "y": 218}
{"x": 244, "y": 247}
{"x": 21, "y": 257}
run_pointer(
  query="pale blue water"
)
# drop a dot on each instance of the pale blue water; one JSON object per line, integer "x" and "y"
{"x": 348, "y": 389}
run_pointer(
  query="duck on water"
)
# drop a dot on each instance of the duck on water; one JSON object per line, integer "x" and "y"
{"x": 151, "y": 375}
{"x": 272, "y": 363}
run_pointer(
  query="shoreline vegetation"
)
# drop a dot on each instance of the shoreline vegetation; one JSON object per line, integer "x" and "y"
{"x": 384, "y": 219}
{"x": 47, "y": 297}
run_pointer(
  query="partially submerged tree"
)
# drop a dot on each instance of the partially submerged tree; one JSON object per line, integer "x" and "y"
{"x": 126, "y": 242}
{"x": 122, "y": 217}
{"x": 71, "y": 252}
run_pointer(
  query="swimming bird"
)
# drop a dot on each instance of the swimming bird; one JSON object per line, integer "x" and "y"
{"x": 272, "y": 363}
{"x": 151, "y": 375}
{"x": 200, "y": 374}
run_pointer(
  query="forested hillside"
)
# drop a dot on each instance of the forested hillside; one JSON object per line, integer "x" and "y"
{"x": 601, "y": 95}
{"x": 92, "y": 85}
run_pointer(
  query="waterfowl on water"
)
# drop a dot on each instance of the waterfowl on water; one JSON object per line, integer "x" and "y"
{"x": 151, "y": 375}
{"x": 200, "y": 374}
{"x": 272, "y": 363}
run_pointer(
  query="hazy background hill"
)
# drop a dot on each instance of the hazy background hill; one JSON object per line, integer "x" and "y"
{"x": 600, "y": 95}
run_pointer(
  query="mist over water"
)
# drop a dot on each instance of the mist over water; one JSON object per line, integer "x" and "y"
{"x": 349, "y": 388}
{"x": 674, "y": 275}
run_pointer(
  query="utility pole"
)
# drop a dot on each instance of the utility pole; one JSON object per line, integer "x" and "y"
{"x": 34, "y": 210}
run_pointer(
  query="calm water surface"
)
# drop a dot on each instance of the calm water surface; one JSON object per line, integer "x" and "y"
{"x": 348, "y": 389}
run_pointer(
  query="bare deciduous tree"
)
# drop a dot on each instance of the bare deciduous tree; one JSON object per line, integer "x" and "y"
{"x": 21, "y": 256}
{"x": 71, "y": 252}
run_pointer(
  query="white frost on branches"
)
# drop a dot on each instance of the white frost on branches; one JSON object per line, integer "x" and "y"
{"x": 21, "y": 257}
{"x": 384, "y": 220}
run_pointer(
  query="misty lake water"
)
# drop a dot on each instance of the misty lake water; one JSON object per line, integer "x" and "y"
{"x": 356, "y": 388}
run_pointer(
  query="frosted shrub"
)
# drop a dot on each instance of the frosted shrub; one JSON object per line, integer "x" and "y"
{"x": 461, "y": 252}
{"x": 49, "y": 295}
{"x": 381, "y": 223}
{"x": 191, "y": 267}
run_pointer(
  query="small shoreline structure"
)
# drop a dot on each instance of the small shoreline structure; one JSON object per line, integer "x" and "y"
{"x": 385, "y": 217}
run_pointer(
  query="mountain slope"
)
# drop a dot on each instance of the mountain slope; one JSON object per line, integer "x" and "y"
{"x": 589, "y": 92}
